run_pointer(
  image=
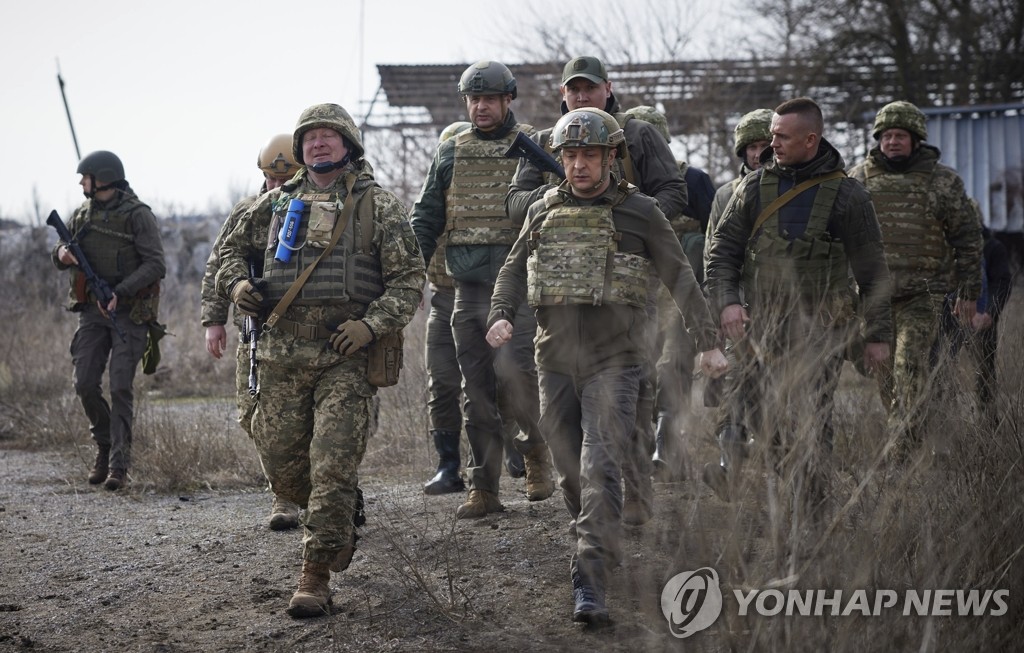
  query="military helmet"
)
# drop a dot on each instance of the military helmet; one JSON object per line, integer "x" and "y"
{"x": 104, "y": 167}
{"x": 275, "y": 158}
{"x": 752, "y": 127}
{"x": 586, "y": 128}
{"x": 487, "y": 78}
{"x": 902, "y": 115}
{"x": 331, "y": 116}
{"x": 454, "y": 129}
{"x": 653, "y": 116}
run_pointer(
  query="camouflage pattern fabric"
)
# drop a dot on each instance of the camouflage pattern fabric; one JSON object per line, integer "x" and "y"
{"x": 214, "y": 308}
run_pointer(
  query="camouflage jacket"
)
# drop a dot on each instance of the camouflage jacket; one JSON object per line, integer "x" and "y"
{"x": 138, "y": 234}
{"x": 948, "y": 203}
{"x": 580, "y": 339}
{"x": 654, "y": 165}
{"x": 852, "y": 223}
{"x": 400, "y": 258}
{"x": 214, "y": 308}
{"x": 429, "y": 212}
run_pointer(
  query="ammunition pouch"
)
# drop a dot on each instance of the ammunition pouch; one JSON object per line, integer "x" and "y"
{"x": 385, "y": 360}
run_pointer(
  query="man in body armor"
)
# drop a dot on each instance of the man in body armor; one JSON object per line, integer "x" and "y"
{"x": 778, "y": 280}
{"x": 463, "y": 200}
{"x": 277, "y": 164}
{"x": 121, "y": 242}
{"x": 730, "y": 394}
{"x": 933, "y": 245}
{"x": 444, "y": 380}
{"x": 583, "y": 262}
{"x": 341, "y": 271}
{"x": 648, "y": 163}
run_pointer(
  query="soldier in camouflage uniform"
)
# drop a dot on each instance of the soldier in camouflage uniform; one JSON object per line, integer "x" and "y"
{"x": 674, "y": 349}
{"x": 462, "y": 199}
{"x": 277, "y": 164}
{"x": 121, "y": 242}
{"x": 649, "y": 164}
{"x": 789, "y": 256}
{"x": 933, "y": 246}
{"x": 733, "y": 393}
{"x": 583, "y": 262}
{"x": 313, "y": 408}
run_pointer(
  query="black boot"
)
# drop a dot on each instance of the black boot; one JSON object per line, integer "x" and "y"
{"x": 664, "y": 432}
{"x": 447, "y": 479}
{"x": 101, "y": 467}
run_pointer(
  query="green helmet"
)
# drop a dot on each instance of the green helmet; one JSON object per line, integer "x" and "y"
{"x": 453, "y": 129}
{"x": 653, "y": 116}
{"x": 104, "y": 167}
{"x": 487, "y": 78}
{"x": 587, "y": 127}
{"x": 903, "y": 115}
{"x": 331, "y": 116}
{"x": 752, "y": 127}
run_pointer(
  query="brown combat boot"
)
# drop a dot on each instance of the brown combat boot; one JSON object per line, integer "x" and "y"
{"x": 116, "y": 479}
{"x": 480, "y": 503}
{"x": 284, "y": 515}
{"x": 101, "y": 467}
{"x": 313, "y": 597}
{"x": 539, "y": 485}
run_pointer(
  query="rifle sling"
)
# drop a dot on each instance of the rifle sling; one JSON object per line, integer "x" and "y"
{"x": 293, "y": 290}
{"x": 786, "y": 197}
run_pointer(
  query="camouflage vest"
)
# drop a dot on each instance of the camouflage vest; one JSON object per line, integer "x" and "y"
{"x": 811, "y": 269}
{"x": 437, "y": 274}
{"x": 915, "y": 244}
{"x": 350, "y": 273}
{"x": 574, "y": 257}
{"x": 624, "y": 164}
{"x": 476, "y": 198}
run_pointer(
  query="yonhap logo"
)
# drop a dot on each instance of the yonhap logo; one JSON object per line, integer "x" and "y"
{"x": 691, "y": 601}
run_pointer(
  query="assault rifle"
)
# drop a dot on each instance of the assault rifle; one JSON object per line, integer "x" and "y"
{"x": 100, "y": 288}
{"x": 251, "y": 325}
{"x": 523, "y": 147}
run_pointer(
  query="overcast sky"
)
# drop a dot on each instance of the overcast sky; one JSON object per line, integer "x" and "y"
{"x": 186, "y": 92}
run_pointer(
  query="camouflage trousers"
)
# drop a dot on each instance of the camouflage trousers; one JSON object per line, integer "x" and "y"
{"x": 591, "y": 423}
{"x": 94, "y": 344}
{"x": 904, "y": 389}
{"x": 310, "y": 428}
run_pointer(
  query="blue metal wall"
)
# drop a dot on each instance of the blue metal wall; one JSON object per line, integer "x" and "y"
{"x": 985, "y": 144}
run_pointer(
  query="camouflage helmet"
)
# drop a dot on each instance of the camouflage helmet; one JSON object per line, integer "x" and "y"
{"x": 453, "y": 129}
{"x": 752, "y": 127}
{"x": 652, "y": 116}
{"x": 588, "y": 127}
{"x": 275, "y": 158}
{"x": 331, "y": 116}
{"x": 902, "y": 115}
{"x": 487, "y": 78}
{"x": 104, "y": 167}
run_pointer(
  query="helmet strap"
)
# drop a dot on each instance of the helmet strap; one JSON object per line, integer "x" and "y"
{"x": 324, "y": 168}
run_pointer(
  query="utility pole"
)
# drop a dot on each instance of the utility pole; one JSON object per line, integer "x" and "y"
{"x": 60, "y": 82}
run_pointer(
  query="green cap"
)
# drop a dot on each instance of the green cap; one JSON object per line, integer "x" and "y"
{"x": 587, "y": 67}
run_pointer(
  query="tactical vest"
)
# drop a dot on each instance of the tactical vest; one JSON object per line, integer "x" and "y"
{"x": 915, "y": 244}
{"x": 351, "y": 272}
{"x": 810, "y": 269}
{"x": 574, "y": 257}
{"x": 108, "y": 244}
{"x": 475, "y": 201}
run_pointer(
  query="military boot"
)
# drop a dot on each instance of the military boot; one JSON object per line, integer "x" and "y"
{"x": 539, "y": 485}
{"x": 101, "y": 467}
{"x": 313, "y": 598}
{"x": 447, "y": 479}
{"x": 479, "y": 504}
{"x": 514, "y": 464}
{"x": 589, "y": 606}
{"x": 116, "y": 479}
{"x": 722, "y": 477}
{"x": 665, "y": 432}
{"x": 284, "y": 515}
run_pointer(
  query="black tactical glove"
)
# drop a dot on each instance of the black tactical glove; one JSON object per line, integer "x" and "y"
{"x": 247, "y": 296}
{"x": 350, "y": 336}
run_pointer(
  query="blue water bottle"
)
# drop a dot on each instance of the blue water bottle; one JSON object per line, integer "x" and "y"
{"x": 289, "y": 230}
